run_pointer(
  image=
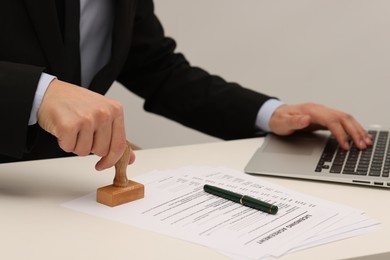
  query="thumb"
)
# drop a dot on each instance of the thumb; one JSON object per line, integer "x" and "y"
{"x": 299, "y": 122}
{"x": 289, "y": 124}
{"x": 294, "y": 123}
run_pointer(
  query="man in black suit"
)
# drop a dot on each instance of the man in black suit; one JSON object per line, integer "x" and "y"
{"x": 45, "y": 58}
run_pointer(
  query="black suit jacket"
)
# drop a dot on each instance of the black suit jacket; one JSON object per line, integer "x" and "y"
{"x": 142, "y": 59}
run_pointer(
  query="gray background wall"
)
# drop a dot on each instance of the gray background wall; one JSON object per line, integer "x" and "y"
{"x": 331, "y": 52}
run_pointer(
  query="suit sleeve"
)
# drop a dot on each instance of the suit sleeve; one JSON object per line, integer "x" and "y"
{"x": 189, "y": 95}
{"x": 18, "y": 84}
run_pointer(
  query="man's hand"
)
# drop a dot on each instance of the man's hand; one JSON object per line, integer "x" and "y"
{"x": 84, "y": 122}
{"x": 288, "y": 119}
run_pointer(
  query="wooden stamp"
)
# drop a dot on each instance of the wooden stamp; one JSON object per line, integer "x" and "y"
{"x": 122, "y": 190}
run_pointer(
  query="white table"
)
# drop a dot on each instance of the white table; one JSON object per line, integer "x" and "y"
{"x": 34, "y": 225}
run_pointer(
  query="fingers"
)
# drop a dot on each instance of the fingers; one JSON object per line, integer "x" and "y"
{"x": 340, "y": 134}
{"x": 84, "y": 140}
{"x": 348, "y": 128}
{"x": 288, "y": 119}
{"x": 100, "y": 145}
{"x": 343, "y": 126}
{"x": 84, "y": 122}
{"x": 117, "y": 146}
{"x": 132, "y": 156}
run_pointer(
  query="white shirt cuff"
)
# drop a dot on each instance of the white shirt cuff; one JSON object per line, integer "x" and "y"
{"x": 43, "y": 84}
{"x": 265, "y": 113}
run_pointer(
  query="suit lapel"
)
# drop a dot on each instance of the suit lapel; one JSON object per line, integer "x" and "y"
{"x": 123, "y": 25}
{"x": 121, "y": 42}
{"x": 45, "y": 22}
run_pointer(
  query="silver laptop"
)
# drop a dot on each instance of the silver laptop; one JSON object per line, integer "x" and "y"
{"x": 317, "y": 156}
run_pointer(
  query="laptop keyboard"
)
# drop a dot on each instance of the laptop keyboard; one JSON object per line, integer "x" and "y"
{"x": 374, "y": 161}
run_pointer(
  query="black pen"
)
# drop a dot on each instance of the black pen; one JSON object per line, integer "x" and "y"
{"x": 242, "y": 199}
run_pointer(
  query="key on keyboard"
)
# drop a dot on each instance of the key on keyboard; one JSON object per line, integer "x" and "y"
{"x": 374, "y": 161}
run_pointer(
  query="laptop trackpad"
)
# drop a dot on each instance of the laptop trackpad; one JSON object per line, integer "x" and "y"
{"x": 294, "y": 145}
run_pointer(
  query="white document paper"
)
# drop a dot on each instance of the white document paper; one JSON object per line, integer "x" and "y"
{"x": 176, "y": 205}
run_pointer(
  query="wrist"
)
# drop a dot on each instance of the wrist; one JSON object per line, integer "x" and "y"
{"x": 43, "y": 84}
{"x": 265, "y": 113}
